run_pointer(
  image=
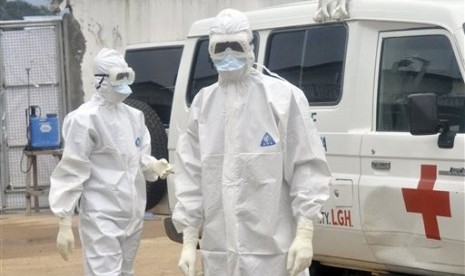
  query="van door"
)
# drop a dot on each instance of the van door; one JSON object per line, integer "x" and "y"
{"x": 313, "y": 58}
{"x": 412, "y": 191}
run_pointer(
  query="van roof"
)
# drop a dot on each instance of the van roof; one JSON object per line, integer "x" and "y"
{"x": 158, "y": 44}
{"x": 447, "y": 14}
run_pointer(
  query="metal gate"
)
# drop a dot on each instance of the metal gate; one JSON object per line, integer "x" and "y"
{"x": 32, "y": 60}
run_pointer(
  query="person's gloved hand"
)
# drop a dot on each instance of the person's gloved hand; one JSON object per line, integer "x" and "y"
{"x": 65, "y": 237}
{"x": 162, "y": 168}
{"x": 301, "y": 251}
{"x": 188, "y": 255}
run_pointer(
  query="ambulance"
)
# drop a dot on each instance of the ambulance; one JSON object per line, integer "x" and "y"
{"x": 384, "y": 79}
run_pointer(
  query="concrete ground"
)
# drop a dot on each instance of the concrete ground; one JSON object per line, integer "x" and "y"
{"x": 28, "y": 248}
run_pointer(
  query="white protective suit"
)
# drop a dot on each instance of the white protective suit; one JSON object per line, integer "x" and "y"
{"x": 249, "y": 164}
{"x": 105, "y": 165}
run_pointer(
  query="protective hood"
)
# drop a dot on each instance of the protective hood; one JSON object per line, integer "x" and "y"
{"x": 230, "y": 46}
{"x": 112, "y": 76}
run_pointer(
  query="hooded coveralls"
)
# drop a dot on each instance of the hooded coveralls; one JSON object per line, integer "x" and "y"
{"x": 249, "y": 163}
{"x": 105, "y": 165}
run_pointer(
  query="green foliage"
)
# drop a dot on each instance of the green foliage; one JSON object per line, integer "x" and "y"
{"x": 15, "y": 10}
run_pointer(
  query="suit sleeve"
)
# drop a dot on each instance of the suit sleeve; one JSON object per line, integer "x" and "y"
{"x": 147, "y": 160}
{"x": 305, "y": 166}
{"x": 188, "y": 210}
{"x": 66, "y": 181}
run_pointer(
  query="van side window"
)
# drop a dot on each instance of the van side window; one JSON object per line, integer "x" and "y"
{"x": 311, "y": 59}
{"x": 203, "y": 72}
{"x": 419, "y": 64}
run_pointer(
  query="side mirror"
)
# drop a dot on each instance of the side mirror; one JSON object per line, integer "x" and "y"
{"x": 424, "y": 120}
{"x": 423, "y": 114}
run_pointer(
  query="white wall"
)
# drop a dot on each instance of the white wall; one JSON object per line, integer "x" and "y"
{"x": 117, "y": 23}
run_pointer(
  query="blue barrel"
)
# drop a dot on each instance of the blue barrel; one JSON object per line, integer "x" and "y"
{"x": 45, "y": 132}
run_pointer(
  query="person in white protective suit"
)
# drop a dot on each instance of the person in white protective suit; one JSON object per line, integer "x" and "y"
{"x": 106, "y": 162}
{"x": 251, "y": 173}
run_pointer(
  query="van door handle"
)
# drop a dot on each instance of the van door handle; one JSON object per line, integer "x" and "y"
{"x": 381, "y": 165}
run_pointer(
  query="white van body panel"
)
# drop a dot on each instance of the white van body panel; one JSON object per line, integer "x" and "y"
{"x": 148, "y": 45}
{"x": 370, "y": 221}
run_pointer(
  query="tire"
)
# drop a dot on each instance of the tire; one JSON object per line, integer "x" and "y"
{"x": 159, "y": 142}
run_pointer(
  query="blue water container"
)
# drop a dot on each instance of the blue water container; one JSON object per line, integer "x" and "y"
{"x": 45, "y": 132}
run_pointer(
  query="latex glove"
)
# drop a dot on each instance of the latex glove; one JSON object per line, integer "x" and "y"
{"x": 65, "y": 237}
{"x": 162, "y": 168}
{"x": 301, "y": 251}
{"x": 188, "y": 255}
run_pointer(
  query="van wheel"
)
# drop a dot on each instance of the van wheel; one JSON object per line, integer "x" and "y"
{"x": 155, "y": 190}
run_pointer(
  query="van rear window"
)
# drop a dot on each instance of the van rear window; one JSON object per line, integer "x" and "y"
{"x": 156, "y": 70}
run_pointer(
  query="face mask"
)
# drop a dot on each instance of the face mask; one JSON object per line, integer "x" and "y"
{"x": 122, "y": 89}
{"x": 116, "y": 93}
{"x": 229, "y": 63}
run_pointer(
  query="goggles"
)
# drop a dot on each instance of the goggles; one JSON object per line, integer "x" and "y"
{"x": 118, "y": 76}
{"x": 237, "y": 44}
{"x": 222, "y": 46}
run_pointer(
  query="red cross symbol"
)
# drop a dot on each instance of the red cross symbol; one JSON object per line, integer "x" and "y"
{"x": 427, "y": 202}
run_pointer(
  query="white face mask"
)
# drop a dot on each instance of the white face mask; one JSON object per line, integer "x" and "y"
{"x": 229, "y": 63}
{"x": 115, "y": 94}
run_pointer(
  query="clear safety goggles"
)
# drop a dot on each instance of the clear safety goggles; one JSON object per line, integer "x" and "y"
{"x": 119, "y": 76}
{"x": 236, "y": 44}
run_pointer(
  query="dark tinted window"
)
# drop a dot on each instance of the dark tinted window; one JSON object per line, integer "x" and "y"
{"x": 419, "y": 64}
{"x": 311, "y": 59}
{"x": 156, "y": 71}
{"x": 203, "y": 71}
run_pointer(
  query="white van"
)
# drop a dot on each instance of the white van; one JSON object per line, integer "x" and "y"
{"x": 385, "y": 83}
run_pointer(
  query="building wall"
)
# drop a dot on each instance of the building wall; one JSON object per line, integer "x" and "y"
{"x": 117, "y": 23}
